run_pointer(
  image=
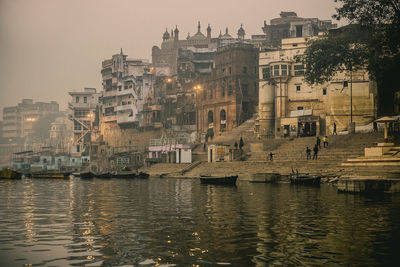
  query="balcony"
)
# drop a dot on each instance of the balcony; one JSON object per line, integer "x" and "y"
{"x": 128, "y": 91}
{"x": 126, "y": 107}
{"x": 109, "y": 118}
{"x": 125, "y": 119}
{"x": 73, "y": 105}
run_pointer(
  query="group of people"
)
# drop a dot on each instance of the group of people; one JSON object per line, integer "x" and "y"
{"x": 317, "y": 147}
{"x": 241, "y": 144}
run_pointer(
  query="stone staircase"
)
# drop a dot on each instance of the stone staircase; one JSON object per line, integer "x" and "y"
{"x": 245, "y": 130}
{"x": 291, "y": 153}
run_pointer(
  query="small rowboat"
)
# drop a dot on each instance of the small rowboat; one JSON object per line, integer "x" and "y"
{"x": 51, "y": 175}
{"x": 305, "y": 179}
{"x": 10, "y": 174}
{"x": 87, "y": 175}
{"x": 227, "y": 180}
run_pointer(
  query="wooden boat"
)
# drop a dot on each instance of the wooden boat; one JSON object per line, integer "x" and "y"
{"x": 227, "y": 180}
{"x": 10, "y": 174}
{"x": 143, "y": 175}
{"x": 130, "y": 175}
{"x": 87, "y": 175}
{"x": 124, "y": 174}
{"x": 305, "y": 179}
{"x": 103, "y": 175}
{"x": 51, "y": 174}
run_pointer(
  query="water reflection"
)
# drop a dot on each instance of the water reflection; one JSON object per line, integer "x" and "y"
{"x": 180, "y": 222}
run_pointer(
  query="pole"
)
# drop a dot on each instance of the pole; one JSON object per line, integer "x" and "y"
{"x": 351, "y": 95}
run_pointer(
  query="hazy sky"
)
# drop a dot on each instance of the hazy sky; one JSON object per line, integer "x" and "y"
{"x": 51, "y": 47}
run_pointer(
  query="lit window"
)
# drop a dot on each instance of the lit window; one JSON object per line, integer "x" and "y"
{"x": 298, "y": 87}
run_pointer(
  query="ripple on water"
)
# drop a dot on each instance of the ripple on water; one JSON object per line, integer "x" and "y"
{"x": 167, "y": 222}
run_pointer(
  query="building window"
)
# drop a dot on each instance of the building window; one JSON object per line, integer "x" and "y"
{"x": 211, "y": 93}
{"x": 298, "y": 87}
{"x": 276, "y": 70}
{"x": 85, "y": 99}
{"x": 204, "y": 95}
{"x": 245, "y": 89}
{"x": 230, "y": 70}
{"x": 324, "y": 91}
{"x": 223, "y": 90}
{"x": 77, "y": 99}
{"x": 78, "y": 148}
{"x": 210, "y": 117}
{"x": 299, "y": 108}
{"x": 284, "y": 70}
{"x": 299, "y": 70}
{"x": 230, "y": 90}
{"x": 299, "y": 30}
{"x": 266, "y": 73}
{"x": 244, "y": 70}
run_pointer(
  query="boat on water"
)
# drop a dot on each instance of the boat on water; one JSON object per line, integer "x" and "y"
{"x": 227, "y": 180}
{"x": 87, "y": 175}
{"x": 10, "y": 174}
{"x": 130, "y": 175}
{"x": 51, "y": 174}
{"x": 305, "y": 179}
{"x": 103, "y": 175}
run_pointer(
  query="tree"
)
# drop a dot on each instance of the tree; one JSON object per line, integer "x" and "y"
{"x": 342, "y": 50}
{"x": 371, "y": 41}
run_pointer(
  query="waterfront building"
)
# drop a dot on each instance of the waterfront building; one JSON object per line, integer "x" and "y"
{"x": 61, "y": 138}
{"x": 19, "y": 120}
{"x": 169, "y": 150}
{"x": 127, "y": 83}
{"x": 83, "y": 106}
{"x": 173, "y": 51}
{"x": 290, "y": 107}
{"x": 229, "y": 95}
{"x": 289, "y": 25}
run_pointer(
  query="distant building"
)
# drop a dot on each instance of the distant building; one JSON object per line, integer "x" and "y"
{"x": 290, "y": 107}
{"x": 127, "y": 83}
{"x": 289, "y": 25}
{"x": 18, "y": 121}
{"x": 169, "y": 54}
{"x": 83, "y": 107}
{"x": 229, "y": 95}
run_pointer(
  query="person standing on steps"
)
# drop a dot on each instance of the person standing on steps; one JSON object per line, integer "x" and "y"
{"x": 325, "y": 141}
{"x": 334, "y": 129}
{"x": 318, "y": 142}
{"x": 308, "y": 153}
{"x": 315, "y": 156}
{"x": 241, "y": 143}
{"x": 271, "y": 156}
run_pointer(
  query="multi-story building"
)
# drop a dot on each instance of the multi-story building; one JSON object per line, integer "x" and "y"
{"x": 290, "y": 107}
{"x": 201, "y": 45}
{"x": 19, "y": 120}
{"x": 127, "y": 83}
{"x": 228, "y": 96}
{"x": 83, "y": 107}
{"x": 289, "y": 25}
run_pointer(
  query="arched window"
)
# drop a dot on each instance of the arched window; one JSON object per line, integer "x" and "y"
{"x": 210, "y": 117}
{"x": 222, "y": 115}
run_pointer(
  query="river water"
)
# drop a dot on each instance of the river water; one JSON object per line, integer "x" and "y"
{"x": 179, "y": 222}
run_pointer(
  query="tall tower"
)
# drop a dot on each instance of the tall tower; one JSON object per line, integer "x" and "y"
{"x": 241, "y": 33}
{"x": 209, "y": 32}
{"x": 176, "y": 36}
{"x": 165, "y": 35}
